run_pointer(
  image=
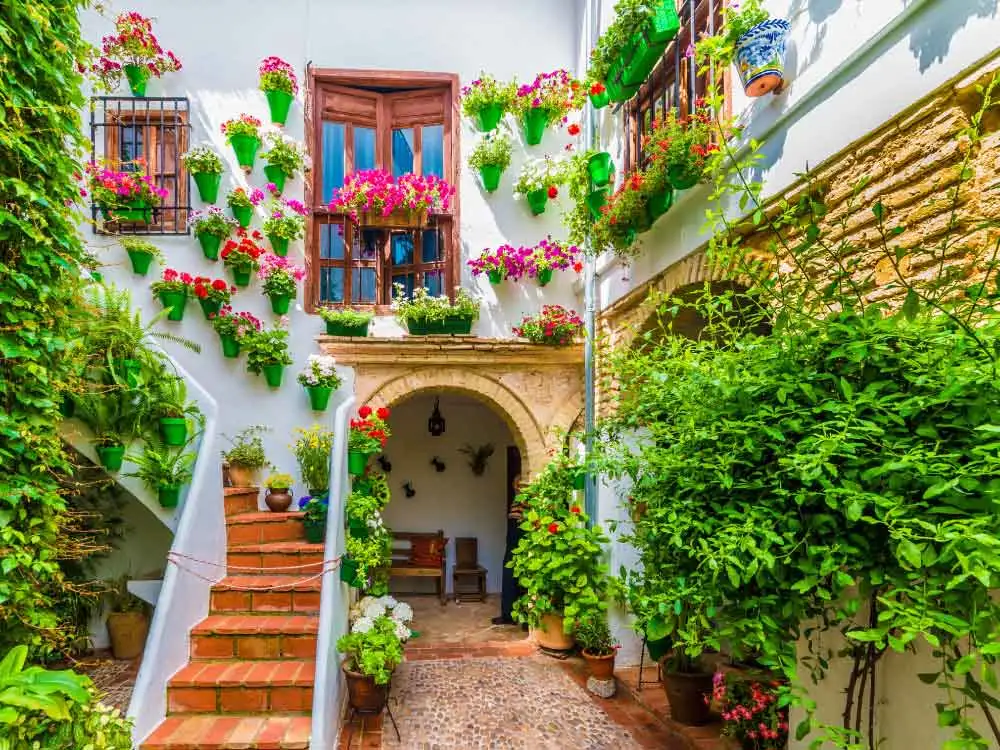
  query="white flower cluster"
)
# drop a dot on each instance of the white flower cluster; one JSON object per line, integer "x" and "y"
{"x": 320, "y": 370}
{"x": 369, "y": 608}
{"x": 538, "y": 174}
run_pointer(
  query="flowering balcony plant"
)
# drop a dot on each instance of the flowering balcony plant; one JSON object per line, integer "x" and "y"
{"x": 505, "y": 262}
{"x": 598, "y": 93}
{"x": 345, "y": 321}
{"x": 285, "y": 159}
{"x": 754, "y": 41}
{"x": 678, "y": 149}
{"x": 751, "y": 711}
{"x": 242, "y": 256}
{"x": 622, "y": 218}
{"x": 550, "y": 255}
{"x": 315, "y": 509}
{"x": 486, "y": 100}
{"x": 285, "y": 223}
{"x": 424, "y": 314}
{"x": 211, "y": 227}
{"x": 278, "y": 82}
{"x": 373, "y": 196}
{"x": 211, "y": 294}
{"x": 491, "y": 157}
{"x": 123, "y": 195}
{"x": 173, "y": 290}
{"x": 539, "y": 181}
{"x": 554, "y": 326}
{"x": 205, "y": 166}
{"x": 243, "y": 134}
{"x": 242, "y": 204}
{"x": 267, "y": 352}
{"x": 280, "y": 277}
{"x": 232, "y": 328}
{"x": 368, "y": 435}
{"x": 320, "y": 379}
{"x": 133, "y": 50}
{"x": 546, "y": 100}
{"x": 311, "y": 449}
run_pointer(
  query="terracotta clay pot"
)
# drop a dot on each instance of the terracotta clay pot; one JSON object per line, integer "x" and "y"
{"x": 550, "y": 634}
{"x": 242, "y": 476}
{"x": 363, "y": 694}
{"x": 278, "y": 499}
{"x": 600, "y": 667}
{"x": 686, "y": 696}
{"x": 127, "y": 631}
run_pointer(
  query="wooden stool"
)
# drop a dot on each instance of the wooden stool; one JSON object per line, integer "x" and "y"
{"x": 468, "y": 577}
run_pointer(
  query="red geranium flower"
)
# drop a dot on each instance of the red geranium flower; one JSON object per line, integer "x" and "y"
{"x": 219, "y": 285}
{"x": 573, "y": 129}
{"x": 553, "y": 528}
{"x": 365, "y": 411}
{"x": 553, "y": 191}
{"x": 382, "y": 413}
{"x": 578, "y": 266}
{"x": 575, "y": 509}
{"x": 200, "y": 291}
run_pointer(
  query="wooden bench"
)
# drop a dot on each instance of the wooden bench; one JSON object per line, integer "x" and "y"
{"x": 404, "y": 566}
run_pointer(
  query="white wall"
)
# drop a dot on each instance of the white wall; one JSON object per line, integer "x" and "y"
{"x": 221, "y": 44}
{"x": 455, "y": 500}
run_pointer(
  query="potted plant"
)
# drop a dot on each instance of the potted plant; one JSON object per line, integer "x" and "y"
{"x": 598, "y": 93}
{"x": 111, "y": 416}
{"x": 491, "y": 157}
{"x": 285, "y": 159}
{"x": 278, "y": 82}
{"x": 173, "y": 289}
{"x": 314, "y": 511}
{"x": 211, "y": 227}
{"x": 242, "y": 255}
{"x": 124, "y": 195}
{"x": 679, "y": 146}
{"x": 134, "y": 51}
{"x": 622, "y": 218}
{"x": 267, "y": 352}
{"x": 372, "y": 651}
{"x": 206, "y": 168}
{"x": 367, "y": 558}
{"x": 539, "y": 181}
{"x": 232, "y": 328}
{"x": 212, "y": 294}
{"x": 504, "y": 263}
{"x": 141, "y": 253}
{"x": 424, "y": 314}
{"x": 312, "y": 449}
{"x": 285, "y": 222}
{"x": 243, "y": 134}
{"x": 163, "y": 469}
{"x": 242, "y": 204}
{"x": 246, "y": 456}
{"x": 280, "y": 278}
{"x": 345, "y": 321}
{"x": 279, "y": 494}
{"x": 463, "y": 312}
{"x": 320, "y": 379}
{"x": 168, "y": 399}
{"x": 128, "y": 619}
{"x": 754, "y": 41}
{"x": 363, "y": 512}
{"x": 486, "y": 100}
{"x": 546, "y": 100}
{"x": 368, "y": 435}
{"x": 548, "y": 256}
{"x": 599, "y": 647}
{"x": 373, "y": 197}
{"x": 751, "y": 710}
{"x": 554, "y": 326}
{"x": 601, "y": 168}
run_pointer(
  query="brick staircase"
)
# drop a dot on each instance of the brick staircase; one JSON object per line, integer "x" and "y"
{"x": 249, "y": 683}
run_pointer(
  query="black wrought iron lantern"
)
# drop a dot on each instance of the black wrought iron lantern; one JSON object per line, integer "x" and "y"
{"x": 435, "y": 425}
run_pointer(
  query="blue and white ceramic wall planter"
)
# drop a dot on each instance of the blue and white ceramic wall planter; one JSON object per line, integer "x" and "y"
{"x": 760, "y": 56}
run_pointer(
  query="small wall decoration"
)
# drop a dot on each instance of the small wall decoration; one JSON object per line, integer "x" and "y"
{"x": 408, "y": 489}
{"x": 478, "y": 457}
{"x": 384, "y": 464}
{"x": 438, "y": 464}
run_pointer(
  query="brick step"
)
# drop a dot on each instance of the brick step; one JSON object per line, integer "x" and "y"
{"x": 240, "y": 500}
{"x": 257, "y": 637}
{"x": 242, "y": 687}
{"x": 291, "y": 594}
{"x": 231, "y": 733}
{"x": 276, "y": 558}
{"x": 262, "y": 527}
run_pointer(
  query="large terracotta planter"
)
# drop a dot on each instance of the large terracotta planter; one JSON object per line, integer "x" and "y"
{"x": 600, "y": 667}
{"x": 363, "y": 694}
{"x": 686, "y": 696}
{"x": 127, "y": 631}
{"x": 242, "y": 476}
{"x": 550, "y": 634}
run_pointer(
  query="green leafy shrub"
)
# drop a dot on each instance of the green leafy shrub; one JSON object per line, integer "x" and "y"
{"x": 345, "y": 316}
{"x": 372, "y": 648}
{"x": 493, "y": 150}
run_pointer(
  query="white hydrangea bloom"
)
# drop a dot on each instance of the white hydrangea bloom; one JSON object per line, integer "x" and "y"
{"x": 389, "y": 601}
{"x": 402, "y": 612}
{"x": 374, "y": 609}
{"x": 363, "y": 624}
{"x": 402, "y": 632}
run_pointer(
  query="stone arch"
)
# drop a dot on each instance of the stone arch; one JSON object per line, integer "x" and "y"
{"x": 508, "y": 405}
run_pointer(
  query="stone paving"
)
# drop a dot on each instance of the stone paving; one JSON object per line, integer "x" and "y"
{"x": 114, "y": 679}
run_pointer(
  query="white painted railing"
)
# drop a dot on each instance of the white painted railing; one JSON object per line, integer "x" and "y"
{"x": 335, "y": 597}
{"x": 184, "y": 597}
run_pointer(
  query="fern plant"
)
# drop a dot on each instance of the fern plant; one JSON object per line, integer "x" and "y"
{"x": 159, "y": 465}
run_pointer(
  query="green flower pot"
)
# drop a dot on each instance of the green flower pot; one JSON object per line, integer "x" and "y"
{"x": 314, "y": 532}
{"x": 111, "y": 456}
{"x": 601, "y": 168}
{"x": 137, "y": 77}
{"x": 489, "y": 117}
{"x": 209, "y": 307}
{"x": 245, "y": 147}
{"x": 358, "y": 529}
{"x": 208, "y": 185}
{"x": 356, "y": 463}
{"x": 537, "y": 200}
{"x": 349, "y": 572}
{"x": 596, "y": 200}
{"x": 241, "y": 276}
{"x": 319, "y": 396}
{"x": 544, "y": 276}
{"x": 174, "y": 302}
{"x": 535, "y": 121}
{"x": 490, "y": 175}
{"x": 496, "y": 277}
{"x": 278, "y": 244}
{"x": 641, "y": 58}
{"x": 682, "y": 178}
{"x": 168, "y": 495}
{"x": 339, "y": 329}
{"x": 458, "y": 326}
{"x": 276, "y": 175}
{"x": 242, "y": 214}
{"x": 660, "y": 202}
{"x": 173, "y": 430}
{"x": 273, "y": 373}
{"x": 135, "y": 211}
{"x": 230, "y": 346}
{"x": 600, "y": 101}
{"x": 417, "y": 327}
{"x": 579, "y": 479}
{"x": 140, "y": 261}
{"x": 210, "y": 245}
{"x": 279, "y": 102}
{"x": 664, "y": 23}
{"x": 280, "y": 303}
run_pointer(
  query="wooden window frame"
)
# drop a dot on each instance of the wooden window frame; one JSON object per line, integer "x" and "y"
{"x": 391, "y": 82}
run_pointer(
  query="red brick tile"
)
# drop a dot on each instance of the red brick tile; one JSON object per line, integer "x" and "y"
{"x": 245, "y": 732}
{"x": 286, "y": 673}
{"x": 220, "y": 730}
{"x": 212, "y": 647}
{"x": 297, "y": 737}
{"x": 291, "y": 699}
{"x": 272, "y": 601}
{"x": 187, "y": 675}
{"x": 241, "y": 700}
{"x": 191, "y": 700}
{"x": 243, "y": 534}
{"x": 298, "y": 647}
{"x": 258, "y": 647}
{"x": 260, "y": 673}
{"x": 232, "y": 601}
{"x": 306, "y": 601}
{"x": 272, "y": 734}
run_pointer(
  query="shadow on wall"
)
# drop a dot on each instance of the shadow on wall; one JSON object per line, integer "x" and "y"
{"x": 818, "y": 11}
{"x": 930, "y": 42}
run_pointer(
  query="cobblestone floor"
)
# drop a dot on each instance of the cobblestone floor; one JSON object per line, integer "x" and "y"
{"x": 115, "y": 679}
